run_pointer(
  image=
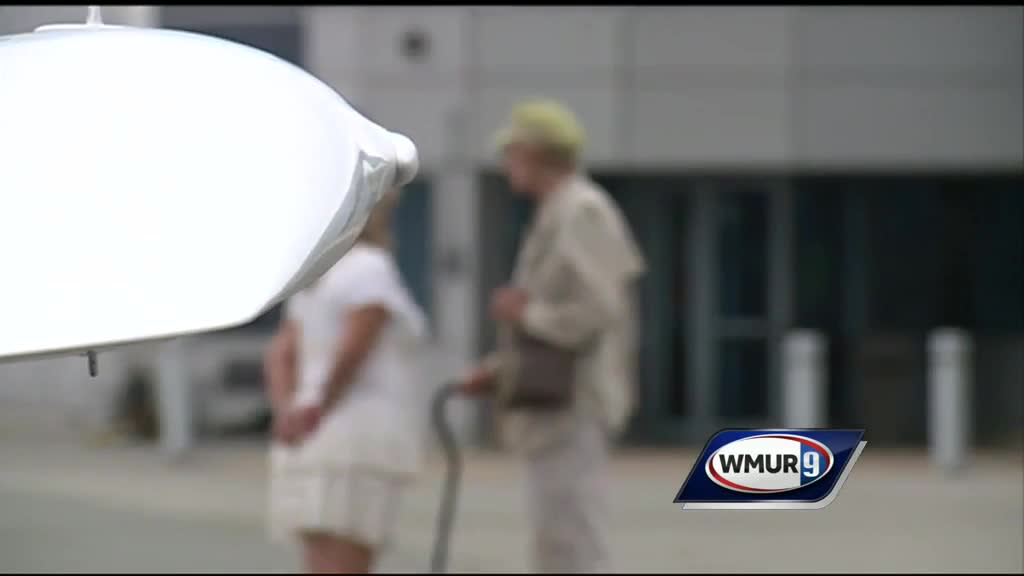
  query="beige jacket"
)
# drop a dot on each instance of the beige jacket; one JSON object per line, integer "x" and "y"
{"x": 578, "y": 264}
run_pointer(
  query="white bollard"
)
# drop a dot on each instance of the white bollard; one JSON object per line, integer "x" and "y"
{"x": 174, "y": 399}
{"x": 949, "y": 383}
{"x": 804, "y": 380}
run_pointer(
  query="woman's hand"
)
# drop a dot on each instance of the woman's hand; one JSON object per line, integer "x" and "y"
{"x": 477, "y": 381}
{"x": 508, "y": 304}
{"x": 281, "y": 429}
{"x": 285, "y": 429}
{"x": 307, "y": 420}
{"x": 296, "y": 425}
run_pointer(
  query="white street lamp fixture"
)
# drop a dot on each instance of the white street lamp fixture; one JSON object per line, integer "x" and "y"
{"x": 156, "y": 183}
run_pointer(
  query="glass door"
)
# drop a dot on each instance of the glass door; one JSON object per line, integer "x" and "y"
{"x": 714, "y": 302}
{"x": 743, "y": 318}
{"x": 657, "y": 209}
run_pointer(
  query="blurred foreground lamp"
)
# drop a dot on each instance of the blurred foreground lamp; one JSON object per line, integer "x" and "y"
{"x": 156, "y": 183}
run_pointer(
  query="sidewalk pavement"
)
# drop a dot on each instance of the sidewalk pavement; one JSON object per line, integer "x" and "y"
{"x": 65, "y": 506}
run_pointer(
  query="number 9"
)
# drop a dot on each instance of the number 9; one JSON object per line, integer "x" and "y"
{"x": 811, "y": 464}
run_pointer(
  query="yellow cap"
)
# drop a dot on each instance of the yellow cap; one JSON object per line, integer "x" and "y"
{"x": 542, "y": 121}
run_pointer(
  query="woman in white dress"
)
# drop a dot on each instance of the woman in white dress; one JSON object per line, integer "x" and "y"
{"x": 342, "y": 378}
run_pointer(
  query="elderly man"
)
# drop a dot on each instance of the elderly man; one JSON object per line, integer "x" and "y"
{"x": 568, "y": 313}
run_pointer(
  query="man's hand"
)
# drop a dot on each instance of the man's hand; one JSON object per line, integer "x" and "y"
{"x": 477, "y": 381}
{"x": 508, "y": 304}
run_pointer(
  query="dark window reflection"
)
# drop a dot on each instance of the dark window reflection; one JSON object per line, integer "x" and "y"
{"x": 903, "y": 225}
{"x": 283, "y": 40}
{"x": 817, "y": 253}
{"x": 679, "y": 297}
{"x": 743, "y": 248}
{"x": 414, "y": 241}
{"x": 266, "y": 323}
{"x": 742, "y": 369}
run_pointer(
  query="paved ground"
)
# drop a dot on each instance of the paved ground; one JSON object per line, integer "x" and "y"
{"x": 65, "y": 506}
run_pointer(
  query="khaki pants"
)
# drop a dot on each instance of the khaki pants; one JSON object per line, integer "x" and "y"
{"x": 566, "y": 484}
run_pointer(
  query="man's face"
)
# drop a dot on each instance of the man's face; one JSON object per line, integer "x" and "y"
{"x": 522, "y": 167}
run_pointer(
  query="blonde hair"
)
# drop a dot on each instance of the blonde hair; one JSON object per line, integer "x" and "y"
{"x": 545, "y": 123}
{"x": 377, "y": 230}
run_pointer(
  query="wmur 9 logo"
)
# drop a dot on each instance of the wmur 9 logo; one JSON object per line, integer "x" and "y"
{"x": 771, "y": 469}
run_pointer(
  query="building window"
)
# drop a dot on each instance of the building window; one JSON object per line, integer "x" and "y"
{"x": 881, "y": 260}
{"x": 413, "y": 228}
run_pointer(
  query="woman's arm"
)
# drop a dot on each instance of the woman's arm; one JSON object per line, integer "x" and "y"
{"x": 279, "y": 366}
{"x": 364, "y": 325}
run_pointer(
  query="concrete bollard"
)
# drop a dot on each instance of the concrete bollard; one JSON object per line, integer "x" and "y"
{"x": 949, "y": 404}
{"x": 804, "y": 380}
{"x": 174, "y": 399}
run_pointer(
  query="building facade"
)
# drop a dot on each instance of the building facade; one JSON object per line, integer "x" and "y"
{"x": 852, "y": 170}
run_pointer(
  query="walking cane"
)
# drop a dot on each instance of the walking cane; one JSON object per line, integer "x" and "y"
{"x": 453, "y": 470}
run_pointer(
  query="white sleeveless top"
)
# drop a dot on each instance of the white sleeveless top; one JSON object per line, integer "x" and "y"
{"x": 378, "y": 422}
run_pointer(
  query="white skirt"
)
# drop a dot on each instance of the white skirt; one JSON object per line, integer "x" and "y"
{"x": 354, "y": 503}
